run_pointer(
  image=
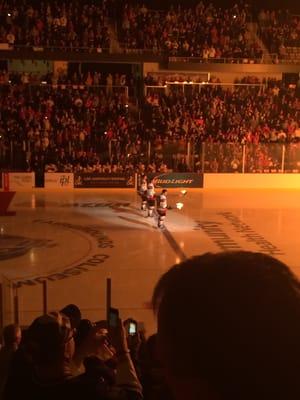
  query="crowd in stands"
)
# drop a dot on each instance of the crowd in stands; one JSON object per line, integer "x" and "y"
{"x": 159, "y": 79}
{"x": 63, "y": 127}
{"x": 85, "y": 128}
{"x": 279, "y": 29}
{"x": 216, "y": 113}
{"x": 203, "y": 31}
{"x": 60, "y": 24}
{"x": 259, "y": 114}
{"x": 244, "y": 313}
{"x": 86, "y": 162}
{"x": 163, "y": 79}
{"x": 72, "y": 124}
{"x": 53, "y": 117}
{"x": 93, "y": 78}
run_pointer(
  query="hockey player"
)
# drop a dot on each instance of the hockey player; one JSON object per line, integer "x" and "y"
{"x": 162, "y": 208}
{"x": 150, "y": 199}
{"x": 143, "y": 193}
{"x": 144, "y": 185}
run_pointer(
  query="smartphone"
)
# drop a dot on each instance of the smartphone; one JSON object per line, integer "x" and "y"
{"x": 113, "y": 317}
{"x": 132, "y": 328}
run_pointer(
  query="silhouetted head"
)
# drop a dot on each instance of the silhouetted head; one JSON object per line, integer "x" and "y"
{"x": 229, "y": 327}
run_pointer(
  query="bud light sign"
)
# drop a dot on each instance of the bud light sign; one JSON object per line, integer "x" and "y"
{"x": 177, "y": 180}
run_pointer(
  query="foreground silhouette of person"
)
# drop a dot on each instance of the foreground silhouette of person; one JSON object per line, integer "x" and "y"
{"x": 12, "y": 336}
{"x": 45, "y": 370}
{"x": 229, "y": 328}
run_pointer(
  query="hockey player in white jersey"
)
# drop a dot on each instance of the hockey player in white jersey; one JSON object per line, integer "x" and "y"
{"x": 150, "y": 199}
{"x": 162, "y": 208}
{"x": 143, "y": 193}
{"x": 144, "y": 185}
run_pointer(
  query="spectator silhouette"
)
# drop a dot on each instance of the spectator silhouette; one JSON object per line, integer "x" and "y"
{"x": 229, "y": 327}
{"x": 11, "y": 337}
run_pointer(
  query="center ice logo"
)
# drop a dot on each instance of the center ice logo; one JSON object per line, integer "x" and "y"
{"x": 16, "y": 246}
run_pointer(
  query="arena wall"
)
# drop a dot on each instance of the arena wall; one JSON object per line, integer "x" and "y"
{"x": 231, "y": 77}
{"x": 251, "y": 181}
{"x": 25, "y": 181}
{"x": 151, "y": 67}
{"x": 226, "y": 77}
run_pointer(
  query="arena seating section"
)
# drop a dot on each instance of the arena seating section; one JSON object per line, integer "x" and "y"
{"x": 280, "y": 32}
{"x": 203, "y": 31}
{"x": 83, "y": 121}
{"x": 55, "y": 24}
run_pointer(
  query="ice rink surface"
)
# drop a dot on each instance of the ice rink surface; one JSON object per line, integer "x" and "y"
{"x": 77, "y": 239}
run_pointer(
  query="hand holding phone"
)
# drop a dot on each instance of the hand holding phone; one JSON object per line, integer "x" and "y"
{"x": 117, "y": 333}
{"x": 113, "y": 317}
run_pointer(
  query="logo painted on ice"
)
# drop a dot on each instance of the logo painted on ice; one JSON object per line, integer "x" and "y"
{"x": 16, "y": 246}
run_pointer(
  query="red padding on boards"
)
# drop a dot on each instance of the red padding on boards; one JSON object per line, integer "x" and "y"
{"x": 5, "y": 200}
